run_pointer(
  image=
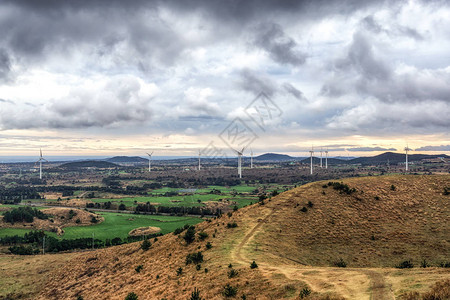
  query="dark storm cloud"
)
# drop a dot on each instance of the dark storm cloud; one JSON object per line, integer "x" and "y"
{"x": 5, "y": 65}
{"x": 281, "y": 48}
{"x": 36, "y": 29}
{"x": 434, "y": 148}
{"x": 256, "y": 83}
{"x": 370, "y": 24}
{"x": 368, "y": 149}
{"x": 293, "y": 91}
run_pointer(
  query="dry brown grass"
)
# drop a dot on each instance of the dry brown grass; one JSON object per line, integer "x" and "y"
{"x": 293, "y": 249}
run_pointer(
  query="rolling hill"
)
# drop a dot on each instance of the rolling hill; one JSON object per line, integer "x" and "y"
{"x": 127, "y": 159}
{"x": 273, "y": 157}
{"x": 88, "y": 164}
{"x": 393, "y": 158}
{"x": 297, "y": 239}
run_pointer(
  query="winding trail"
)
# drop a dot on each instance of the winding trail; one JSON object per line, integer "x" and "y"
{"x": 379, "y": 289}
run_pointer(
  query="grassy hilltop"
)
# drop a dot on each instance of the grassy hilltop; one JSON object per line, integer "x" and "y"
{"x": 300, "y": 240}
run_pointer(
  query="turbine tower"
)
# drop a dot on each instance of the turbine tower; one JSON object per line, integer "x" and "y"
{"x": 240, "y": 153}
{"x": 251, "y": 158}
{"x": 326, "y": 159}
{"x": 199, "y": 166}
{"x": 311, "y": 152}
{"x": 150, "y": 161}
{"x": 321, "y": 155}
{"x": 41, "y": 159}
{"x": 406, "y": 152}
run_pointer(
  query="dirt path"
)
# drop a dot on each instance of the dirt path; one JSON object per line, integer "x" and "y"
{"x": 353, "y": 283}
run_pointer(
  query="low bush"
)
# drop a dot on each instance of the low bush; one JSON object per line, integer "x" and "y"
{"x": 146, "y": 245}
{"x": 340, "y": 263}
{"x": 194, "y": 258}
{"x": 195, "y": 295}
{"x": 406, "y": 264}
{"x": 229, "y": 291}
{"x": 131, "y": 296}
{"x": 232, "y": 273}
{"x": 305, "y": 292}
{"x": 139, "y": 268}
{"x": 202, "y": 235}
{"x": 232, "y": 225}
{"x": 253, "y": 265}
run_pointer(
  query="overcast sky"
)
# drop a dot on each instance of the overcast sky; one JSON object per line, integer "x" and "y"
{"x": 123, "y": 77}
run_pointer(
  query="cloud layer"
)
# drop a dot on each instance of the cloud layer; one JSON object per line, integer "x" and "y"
{"x": 335, "y": 68}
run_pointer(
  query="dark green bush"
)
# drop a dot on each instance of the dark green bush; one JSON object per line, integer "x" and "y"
{"x": 195, "y": 295}
{"x": 229, "y": 291}
{"x": 131, "y": 296}
{"x": 253, "y": 265}
{"x": 202, "y": 235}
{"x": 232, "y": 273}
{"x": 146, "y": 245}
{"x": 194, "y": 258}
{"x": 139, "y": 268}
{"x": 305, "y": 292}
{"x": 406, "y": 264}
{"x": 340, "y": 263}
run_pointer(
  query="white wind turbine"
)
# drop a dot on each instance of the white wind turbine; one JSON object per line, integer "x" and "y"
{"x": 251, "y": 158}
{"x": 199, "y": 166}
{"x": 240, "y": 153}
{"x": 326, "y": 159}
{"x": 150, "y": 161}
{"x": 406, "y": 161}
{"x": 311, "y": 152}
{"x": 321, "y": 155}
{"x": 41, "y": 159}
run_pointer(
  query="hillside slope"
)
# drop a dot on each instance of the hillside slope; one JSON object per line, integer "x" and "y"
{"x": 294, "y": 249}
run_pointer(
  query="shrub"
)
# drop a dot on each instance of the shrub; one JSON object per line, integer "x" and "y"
{"x": 189, "y": 236}
{"x": 131, "y": 296}
{"x": 206, "y": 270}
{"x": 340, "y": 263}
{"x": 304, "y": 209}
{"x": 122, "y": 207}
{"x": 253, "y": 265}
{"x": 80, "y": 297}
{"x": 208, "y": 245}
{"x": 229, "y": 291}
{"x": 393, "y": 188}
{"x": 305, "y": 292}
{"x": 235, "y": 208}
{"x": 406, "y": 264}
{"x": 310, "y": 204}
{"x": 202, "y": 235}
{"x": 195, "y": 295}
{"x": 78, "y": 221}
{"x": 424, "y": 264}
{"x": 230, "y": 266}
{"x": 139, "y": 268}
{"x": 232, "y": 225}
{"x": 179, "y": 271}
{"x": 194, "y": 258}
{"x": 445, "y": 264}
{"x": 377, "y": 198}
{"x": 446, "y": 191}
{"x": 198, "y": 267}
{"x": 146, "y": 245}
{"x": 94, "y": 220}
{"x": 232, "y": 273}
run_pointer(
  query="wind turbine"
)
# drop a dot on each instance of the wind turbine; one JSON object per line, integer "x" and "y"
{"x": 150, "y": 161}
{"x": 199, "y": 166}
{"x": 311, "y": 152}
{"x": 321, "y": 154}
{"x": 240, "y": 153}
{"x": 406, "y": 162}
{"x": 251, "y": 158}
{"x": 326, "y": 159}
{"x": 41, "y": 159}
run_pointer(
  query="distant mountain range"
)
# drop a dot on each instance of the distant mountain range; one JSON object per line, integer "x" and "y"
{"x": 273, "y": 157}
{"x": 392, "y": 158}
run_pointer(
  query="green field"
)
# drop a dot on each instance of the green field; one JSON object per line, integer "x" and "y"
{"x": 116, "y": 225}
